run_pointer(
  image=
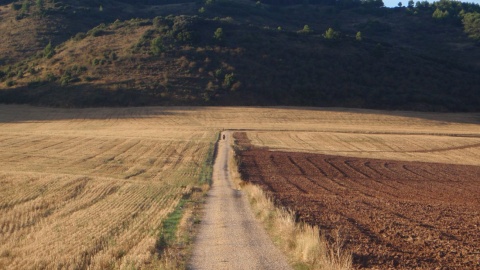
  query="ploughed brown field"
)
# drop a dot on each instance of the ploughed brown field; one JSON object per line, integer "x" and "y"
{"x": 394, "y": 214}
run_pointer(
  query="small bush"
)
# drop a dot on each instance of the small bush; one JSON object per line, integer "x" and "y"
{"x": 358, "y": 36}
{"x": 218, "y": 34}
{"x": 25, "y": 6}
{"x": 31, "y": 70}
{"x": 48, "y": 52}
{"x": 98, "y": 31}
{"x": 98, "y": 62}
{"x": 184, "y": 37}
{"x": 20, "y": 74}
{"x": 228, "y": 80}
{"x": 50, "y": 77}
{"x": 306, "y": 30}
{"x": 156, "y": 46}
{"x": 79, "y": 36}
{"x": 66, "y": 79}
{"x": 218, "y": 73}
{"x": 331, "y": 34}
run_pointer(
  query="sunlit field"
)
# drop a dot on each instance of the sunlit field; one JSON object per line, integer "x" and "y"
{"x": 432, "y": 148}
{"x": 90, "y": 187}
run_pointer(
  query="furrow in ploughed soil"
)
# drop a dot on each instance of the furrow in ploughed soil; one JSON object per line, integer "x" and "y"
{"x": 394, "y": 214}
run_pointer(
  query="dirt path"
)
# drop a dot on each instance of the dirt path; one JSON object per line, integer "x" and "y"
{"x": 229, "y": 236}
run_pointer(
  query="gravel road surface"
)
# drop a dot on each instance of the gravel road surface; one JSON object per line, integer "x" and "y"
{"x": 229, "y": 236}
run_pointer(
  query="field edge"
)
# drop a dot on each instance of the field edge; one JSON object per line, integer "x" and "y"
{"x": 304, "y": 245}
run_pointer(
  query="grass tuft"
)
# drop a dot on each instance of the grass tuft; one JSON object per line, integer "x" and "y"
{"x": 207, "y": 167}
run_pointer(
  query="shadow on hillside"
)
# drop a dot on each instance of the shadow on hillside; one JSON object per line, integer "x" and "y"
{"x": 74, "y": 100}
{"x": 77, "y": 98}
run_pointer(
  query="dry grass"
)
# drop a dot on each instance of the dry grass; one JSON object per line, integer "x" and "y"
{"x": 304, "y": 244}
{"x": 79, "y": 193}
{"x": 91, "y": 187}
{"x": 19, "y": 37}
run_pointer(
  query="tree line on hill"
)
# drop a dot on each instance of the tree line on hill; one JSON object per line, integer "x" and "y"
{"x": 226, "y": 57}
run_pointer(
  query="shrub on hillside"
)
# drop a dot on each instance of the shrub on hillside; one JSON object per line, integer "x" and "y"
{"x": 48, "y": 52}
{"x": 97, "y": 31}
{"x": 305, "y": 30}
{"x": 10, "y": 83}
{"x": 358, "y": 36}
{"x": 79, "y": 36}
{"x": 331, "y": 34}
{"x": 25, "y": 6}
{"x": 471, "y": 24}
{"x": 228, "y": 80}
{"x": 157, "y": 46}
{"x": 218, "y": 35}
{"x": 439, "y": 14}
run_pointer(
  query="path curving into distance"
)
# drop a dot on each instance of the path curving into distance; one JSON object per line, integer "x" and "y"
{"x": 229, "y": 236}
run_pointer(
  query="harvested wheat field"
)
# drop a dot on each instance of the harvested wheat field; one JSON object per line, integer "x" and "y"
{"x": 392, "y": 214}
{"x": 90, "y": 188}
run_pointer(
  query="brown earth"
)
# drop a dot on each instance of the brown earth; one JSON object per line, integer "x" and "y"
{"x": 393, "y": 214}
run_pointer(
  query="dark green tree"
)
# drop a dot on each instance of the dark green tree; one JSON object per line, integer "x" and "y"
{"x": 471, "y": 24}
{"x": 422, "y": 5}
{"x": 439, "y": 14}
{"x": 372, "y": 3}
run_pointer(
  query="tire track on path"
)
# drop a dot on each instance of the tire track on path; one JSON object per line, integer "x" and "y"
{"x": 229, "y": 236}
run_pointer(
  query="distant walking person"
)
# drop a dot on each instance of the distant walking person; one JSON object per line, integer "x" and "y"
{"x": 224, "y": 136}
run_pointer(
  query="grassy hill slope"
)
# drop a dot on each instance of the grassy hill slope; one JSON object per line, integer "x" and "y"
{"x": 237, "y": 53}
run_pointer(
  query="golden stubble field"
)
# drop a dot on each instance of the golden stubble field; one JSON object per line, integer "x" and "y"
{"x": 89, "y": 188}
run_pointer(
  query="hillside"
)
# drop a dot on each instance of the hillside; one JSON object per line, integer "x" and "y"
{"x": 115, "y": 53}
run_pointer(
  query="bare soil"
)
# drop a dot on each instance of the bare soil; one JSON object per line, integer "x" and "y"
{"x": 393, "y": 214}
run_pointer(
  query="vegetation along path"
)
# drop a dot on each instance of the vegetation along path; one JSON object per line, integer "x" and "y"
{"x": 230, "y": 237}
